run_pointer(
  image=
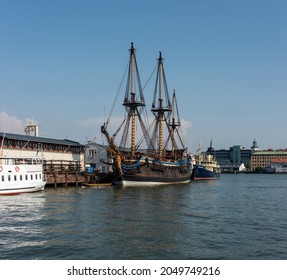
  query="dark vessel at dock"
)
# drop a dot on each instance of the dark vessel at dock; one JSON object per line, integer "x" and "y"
{"x": 206, "y": 166}
{"x": 199, "y": 172}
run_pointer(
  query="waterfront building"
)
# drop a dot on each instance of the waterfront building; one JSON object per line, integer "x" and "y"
{"x": 222, "y": 156}
{"x": 234, "y": 156}
{"x": 96, "y": 158}
{"x": 238, "y": 155}
{"x": 263, "y": 159}
{"x": 233, "y": 168}
{"x": 65, "y": 153}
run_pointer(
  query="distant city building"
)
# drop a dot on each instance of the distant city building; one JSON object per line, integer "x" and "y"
{"x": 233, "y": 168}
{"x": 235, "y": 155}
{"x": 236, "y": 158}
{"x": 222, "y": 156}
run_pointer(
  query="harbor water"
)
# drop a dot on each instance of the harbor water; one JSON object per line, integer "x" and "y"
{"x": 240, "y": 216}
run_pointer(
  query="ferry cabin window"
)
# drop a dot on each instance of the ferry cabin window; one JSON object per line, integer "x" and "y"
{"x": 21, "y": 177}
{"x": 26, "y": 177}
{"x": 36, "y": 176}
{"x": 40, "y": 176}
{"x": 3, "y": 178}
{"x": 31, "y": 176}
{"x": 15, "y": 177}
{"x": 9, "y": 177}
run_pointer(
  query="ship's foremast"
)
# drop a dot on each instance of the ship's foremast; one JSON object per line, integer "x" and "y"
{"x": 130, "y": 102}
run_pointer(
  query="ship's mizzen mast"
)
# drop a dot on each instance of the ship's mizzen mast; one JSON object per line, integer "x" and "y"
{"x": 174, "y": 128}
{"x": 173, "y": 123}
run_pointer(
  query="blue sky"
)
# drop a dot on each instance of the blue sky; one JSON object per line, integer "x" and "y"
{"x": 61, "y": 64}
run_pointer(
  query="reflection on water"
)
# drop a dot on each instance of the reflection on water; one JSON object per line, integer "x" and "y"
{"x": 20, "y": 218}
{"x": 236, "y": 217}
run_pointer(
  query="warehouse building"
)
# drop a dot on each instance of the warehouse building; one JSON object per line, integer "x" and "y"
{"x": 63, "y": 159}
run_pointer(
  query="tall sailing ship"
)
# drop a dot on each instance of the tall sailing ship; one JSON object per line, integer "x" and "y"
{"x": 163, "y": 159}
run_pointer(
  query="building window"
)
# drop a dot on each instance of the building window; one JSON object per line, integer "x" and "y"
{"x": 92, "y": 153}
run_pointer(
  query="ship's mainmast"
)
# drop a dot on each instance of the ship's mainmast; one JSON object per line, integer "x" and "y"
{"x": 158, "y": 107}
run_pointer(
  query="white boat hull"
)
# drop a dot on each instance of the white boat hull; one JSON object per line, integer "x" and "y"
{"x": 27, "y": 188}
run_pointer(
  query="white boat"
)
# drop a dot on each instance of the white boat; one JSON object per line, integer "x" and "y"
{"x": 21, "y": 175}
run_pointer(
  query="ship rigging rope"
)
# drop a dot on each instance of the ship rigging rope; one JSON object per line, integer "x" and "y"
{"x": 121, "y": 83}
{"x": 150, "y": 77}
{"x": 113, "y": 106}
{"x": 150, "y": 144}
{"x": 116, "y": 133}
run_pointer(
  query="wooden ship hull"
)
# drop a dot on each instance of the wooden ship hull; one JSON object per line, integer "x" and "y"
{"x": 154, "y": 175}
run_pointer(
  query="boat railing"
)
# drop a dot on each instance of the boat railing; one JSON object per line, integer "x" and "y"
{"x": 21, "y": 160}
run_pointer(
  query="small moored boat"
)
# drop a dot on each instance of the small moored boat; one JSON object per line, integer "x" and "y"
{"x": 97, "y": 185}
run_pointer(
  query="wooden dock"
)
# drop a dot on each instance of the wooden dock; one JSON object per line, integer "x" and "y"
{"x": 66, "y": 178}
{"x": 65, "y": 173}
{"x": 60, "y": 172}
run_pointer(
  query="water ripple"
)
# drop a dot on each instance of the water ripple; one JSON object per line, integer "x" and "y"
{"x": 236, "y": 217}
